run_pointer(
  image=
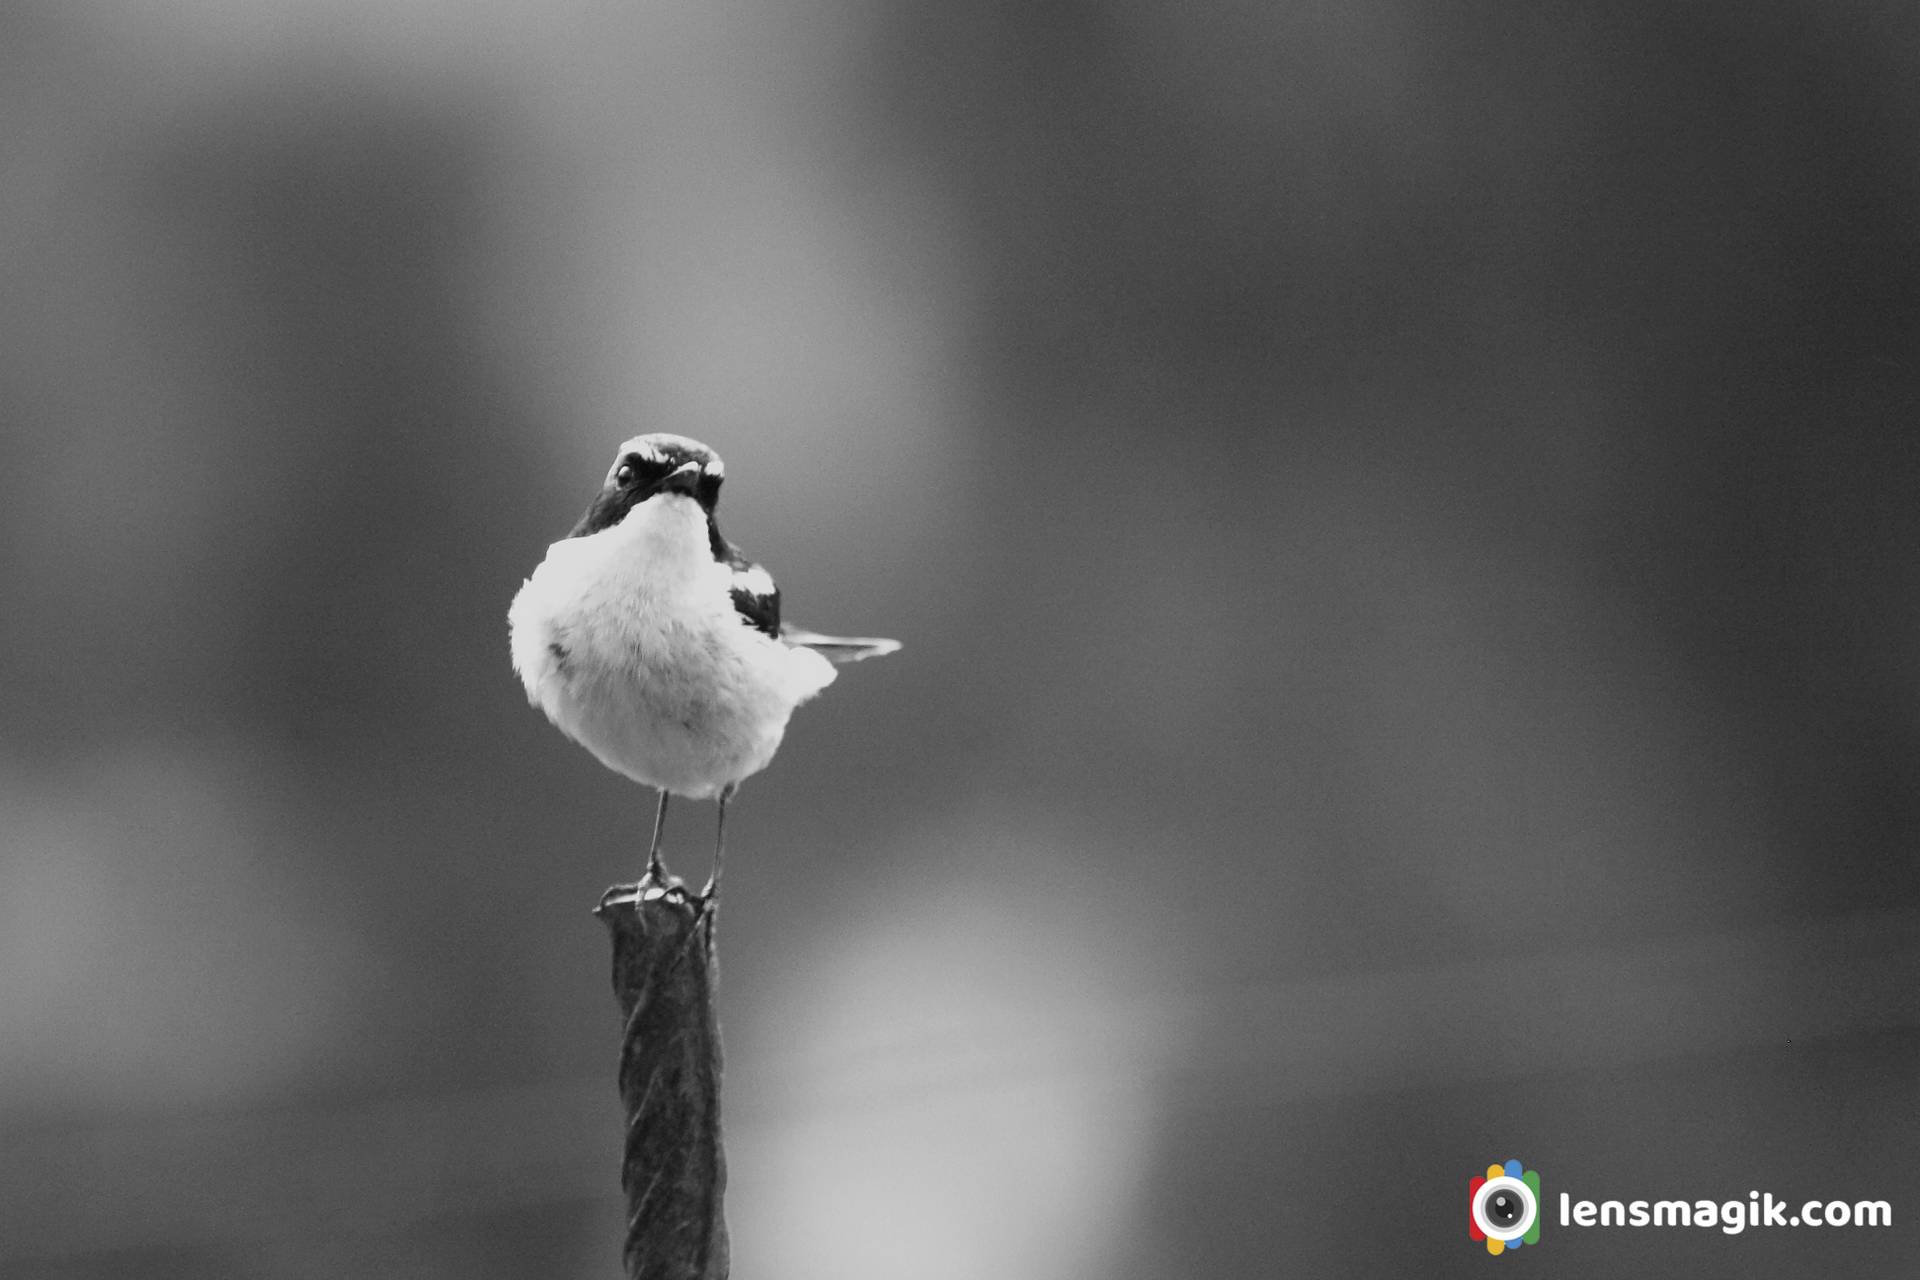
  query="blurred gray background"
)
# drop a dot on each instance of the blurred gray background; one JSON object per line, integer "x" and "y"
{"x": 1402, "y": 517}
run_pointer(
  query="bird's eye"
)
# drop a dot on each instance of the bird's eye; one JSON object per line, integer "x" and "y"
{"x": 624, "y": 474}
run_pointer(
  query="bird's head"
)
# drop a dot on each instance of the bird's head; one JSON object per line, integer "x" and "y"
{"x": 654, "y": 468}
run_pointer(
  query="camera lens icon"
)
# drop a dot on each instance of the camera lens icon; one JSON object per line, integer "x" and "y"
{"x": 1504, "y": 1207}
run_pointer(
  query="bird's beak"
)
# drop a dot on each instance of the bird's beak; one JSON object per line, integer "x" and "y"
{"x": 686, "y": 480}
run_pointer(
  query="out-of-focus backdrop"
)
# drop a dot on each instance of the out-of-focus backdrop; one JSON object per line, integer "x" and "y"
{"x": 1402, "y": 518}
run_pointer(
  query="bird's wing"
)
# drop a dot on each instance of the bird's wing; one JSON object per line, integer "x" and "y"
{"x": 754, "y": 596}
{"x": 838, "y": 649}
{"x": 758, "y": 601}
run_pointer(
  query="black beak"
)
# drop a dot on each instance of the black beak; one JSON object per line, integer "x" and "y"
{"x": 685, "y": 480}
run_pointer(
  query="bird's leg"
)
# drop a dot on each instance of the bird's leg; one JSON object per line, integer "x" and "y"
{"x": 707, "y": 908}
{"x": 657, "y": 869}
{"x": 719, "y": 846}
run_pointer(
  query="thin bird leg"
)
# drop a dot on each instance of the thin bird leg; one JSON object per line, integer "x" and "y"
{"x": 712, "y": 891}
{"x": 657, "y": 869}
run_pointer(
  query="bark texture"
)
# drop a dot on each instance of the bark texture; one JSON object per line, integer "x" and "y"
{"x": 674, "y": 1169}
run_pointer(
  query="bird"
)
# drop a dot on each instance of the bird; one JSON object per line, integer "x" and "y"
{"x": 649, "y": 639}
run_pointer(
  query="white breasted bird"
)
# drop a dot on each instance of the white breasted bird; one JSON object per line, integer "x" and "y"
{"x": 652, "y": 642}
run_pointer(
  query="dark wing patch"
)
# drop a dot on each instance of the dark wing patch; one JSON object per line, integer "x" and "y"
{"x": 755, "y": 596}
{"x": 762, "y": 610}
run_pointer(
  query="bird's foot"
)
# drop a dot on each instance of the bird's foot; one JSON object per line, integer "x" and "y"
{"x": 706, "y": 910}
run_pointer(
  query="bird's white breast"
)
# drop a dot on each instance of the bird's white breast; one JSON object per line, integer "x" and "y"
{"x": 629, "y": 641}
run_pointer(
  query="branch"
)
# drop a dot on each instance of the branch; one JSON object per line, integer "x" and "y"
{"x": 674, "y": 1169}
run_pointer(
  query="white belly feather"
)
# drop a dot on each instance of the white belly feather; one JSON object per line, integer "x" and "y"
{"x": 630, "y": 643}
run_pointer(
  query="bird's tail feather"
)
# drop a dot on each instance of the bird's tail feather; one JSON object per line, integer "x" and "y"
{"x": 838, "y": 649}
